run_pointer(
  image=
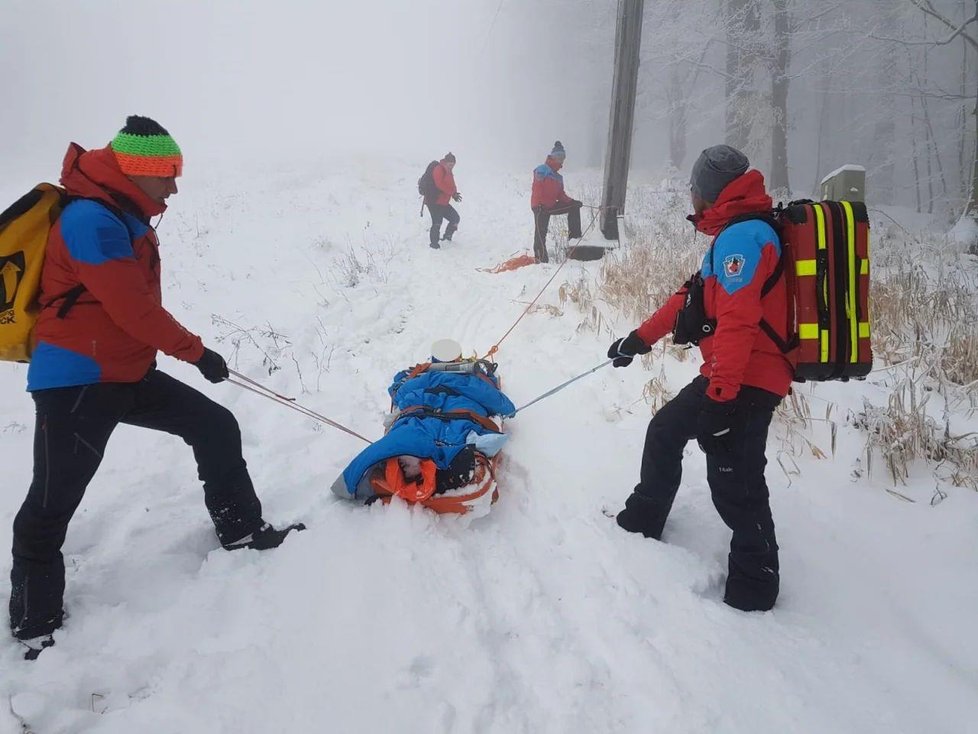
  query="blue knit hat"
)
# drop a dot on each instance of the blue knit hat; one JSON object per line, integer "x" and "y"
{"x": 558, "y": 151}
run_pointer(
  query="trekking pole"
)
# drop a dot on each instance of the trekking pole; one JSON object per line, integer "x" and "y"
{"x": 236, "y": 378}
{"x": 562, "y": 385}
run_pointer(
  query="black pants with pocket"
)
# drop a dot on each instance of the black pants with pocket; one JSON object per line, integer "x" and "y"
{"x": 541, "y": 224}
{"x": 72, "y": 428}
{"x": 736, "y": 481}
{"x": 438, "y": 213}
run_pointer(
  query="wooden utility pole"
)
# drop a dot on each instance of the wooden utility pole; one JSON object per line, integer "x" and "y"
{"x": 628, "y": 44}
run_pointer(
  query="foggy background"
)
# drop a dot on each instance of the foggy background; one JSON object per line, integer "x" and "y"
{"x": 290, "y": 80}
{"x": 871, "y": 82}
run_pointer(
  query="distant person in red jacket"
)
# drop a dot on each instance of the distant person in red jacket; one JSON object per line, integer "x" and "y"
{"x": 548, "y": 199}
{"x": 438, "y": 202}
{"x": 94, "y": 366}
{"x": 744, "y": 375}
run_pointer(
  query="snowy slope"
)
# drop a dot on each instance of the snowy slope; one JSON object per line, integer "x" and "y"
{"x": 541, "y": 617}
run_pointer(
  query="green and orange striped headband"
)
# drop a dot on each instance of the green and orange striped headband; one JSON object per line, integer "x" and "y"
{"x": 144, "y": 148}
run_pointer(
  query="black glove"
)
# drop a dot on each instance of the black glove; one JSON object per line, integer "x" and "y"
{"x": 212, "y": 366}
{"x": 625, "y": 349}
{"x": 717, "y": 426}
{"x": 456, "y": 196}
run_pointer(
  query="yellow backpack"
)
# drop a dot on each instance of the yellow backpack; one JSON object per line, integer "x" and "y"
{"x": 24, "y": 229}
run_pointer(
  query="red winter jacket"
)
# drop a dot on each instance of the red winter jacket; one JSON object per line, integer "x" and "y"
{"x": 105, "y": 243}
{"x": 739, "y": 261}
{"x": 548, "y": 188}
{"x": 445, "y": 182}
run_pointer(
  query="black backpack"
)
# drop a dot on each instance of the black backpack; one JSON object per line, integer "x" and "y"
{"x": 426, "y": 184}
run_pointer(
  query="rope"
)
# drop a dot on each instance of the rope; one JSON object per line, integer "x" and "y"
{"x": 492, "y": 25}
{"x": 247, "y": 383}
{"x": 495, "y": 347}
{"x": 562, "y": 385}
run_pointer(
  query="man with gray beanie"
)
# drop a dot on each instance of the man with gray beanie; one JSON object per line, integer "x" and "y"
{"x": 735, "y": 308}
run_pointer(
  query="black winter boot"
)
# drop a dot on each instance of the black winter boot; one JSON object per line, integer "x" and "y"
{"x": 641, "y": 515}
{"x": 36, "y": 645}
{"x": 264, "y": 538}
{"x": 753, "y": 589}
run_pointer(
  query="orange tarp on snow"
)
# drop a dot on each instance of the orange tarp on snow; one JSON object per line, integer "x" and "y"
{"x": 513, "y": 263}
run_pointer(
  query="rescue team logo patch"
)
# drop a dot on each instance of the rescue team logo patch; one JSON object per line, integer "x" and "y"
{"x": 733, "y": 266}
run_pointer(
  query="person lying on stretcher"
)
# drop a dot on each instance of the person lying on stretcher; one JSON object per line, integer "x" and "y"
{"x": 440, "y": 429}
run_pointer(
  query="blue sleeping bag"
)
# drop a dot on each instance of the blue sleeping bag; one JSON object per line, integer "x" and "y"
{"x": 424, "y": 430}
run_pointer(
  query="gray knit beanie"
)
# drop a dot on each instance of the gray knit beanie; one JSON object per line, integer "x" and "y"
{"x": 714, "y": 169}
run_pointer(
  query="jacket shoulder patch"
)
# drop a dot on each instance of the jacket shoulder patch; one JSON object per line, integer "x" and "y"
{"x": 737, "y": 254}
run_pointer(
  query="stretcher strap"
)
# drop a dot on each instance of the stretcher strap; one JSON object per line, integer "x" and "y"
{"x": 448, "y": 415}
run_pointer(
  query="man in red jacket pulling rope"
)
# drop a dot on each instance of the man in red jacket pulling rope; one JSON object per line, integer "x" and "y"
{"x": 94, "y": 366}
{"x": 548, "y": 199}
{"x": 744, "y": 376}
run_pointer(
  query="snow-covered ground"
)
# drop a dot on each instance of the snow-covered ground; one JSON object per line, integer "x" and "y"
{"x": 541, "y": 617}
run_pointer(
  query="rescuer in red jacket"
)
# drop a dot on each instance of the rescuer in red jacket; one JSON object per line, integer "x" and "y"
{"x": 439, "y": 204}
{"x": 744, "y": 376}
{"x": 548, "y": 199}
{"x": 94, "y": 366}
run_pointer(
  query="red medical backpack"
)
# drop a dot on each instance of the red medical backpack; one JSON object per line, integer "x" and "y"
{"x": 825, "y": 257}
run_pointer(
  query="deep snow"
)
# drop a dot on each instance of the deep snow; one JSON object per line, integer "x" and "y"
{"x": 541, "y": 617}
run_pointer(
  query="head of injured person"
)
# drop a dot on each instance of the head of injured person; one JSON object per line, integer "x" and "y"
{"x": 446, "y": 350}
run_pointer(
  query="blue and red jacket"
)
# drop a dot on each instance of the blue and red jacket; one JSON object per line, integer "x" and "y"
{"x": 548, "y": 188}
{"x": 741, "y": 258}
{"x": 445, "y": 183}
{"x": 103, "y": 242}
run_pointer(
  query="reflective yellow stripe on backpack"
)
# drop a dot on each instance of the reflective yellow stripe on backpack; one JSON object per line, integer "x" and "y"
{"x": 823, "y": 334}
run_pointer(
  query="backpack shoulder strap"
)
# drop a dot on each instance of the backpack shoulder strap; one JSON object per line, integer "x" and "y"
{"x": 771, "y": 218}
{"x": 783, "y": 346}
{"x": 70, "y": 297}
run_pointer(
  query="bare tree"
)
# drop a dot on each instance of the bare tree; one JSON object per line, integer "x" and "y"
{"x": 966, "y": 35}
{"x": 675, "y": 66}
{"x": 779, "y": 96}
{"x": 743, "y": 27}
{"x": 678, "y": 97}
{"x": 881, "y": 159}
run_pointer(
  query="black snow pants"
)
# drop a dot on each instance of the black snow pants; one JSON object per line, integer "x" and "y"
{"x": 438, "y": 213}
{"x": 736, "y": 482}
{"x": 541, "y": 224}
{"x": 72, "y": 428}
